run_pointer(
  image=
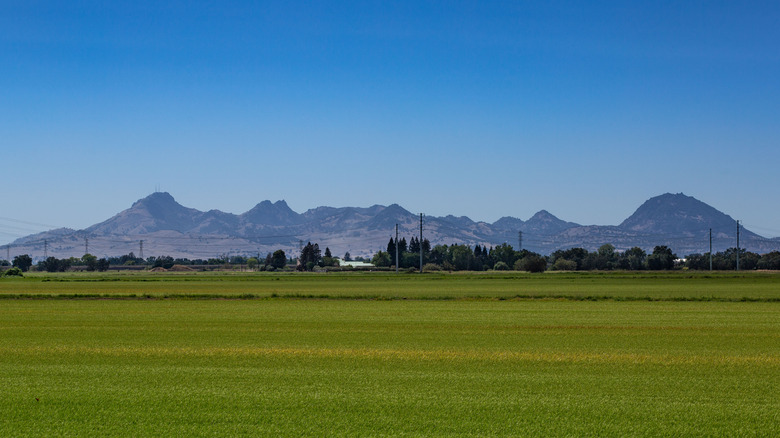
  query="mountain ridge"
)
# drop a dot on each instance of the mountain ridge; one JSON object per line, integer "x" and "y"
{"x": 169, "y": 228}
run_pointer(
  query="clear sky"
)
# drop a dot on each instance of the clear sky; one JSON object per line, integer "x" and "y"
{"x": 483, "y": 109}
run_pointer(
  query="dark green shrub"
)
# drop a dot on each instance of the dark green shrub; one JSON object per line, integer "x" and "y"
{"x": 13, "y": 272}
{"x": 531, "y": 263}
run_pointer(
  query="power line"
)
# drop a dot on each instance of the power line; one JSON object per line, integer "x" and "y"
{"x": 19, "y": 221}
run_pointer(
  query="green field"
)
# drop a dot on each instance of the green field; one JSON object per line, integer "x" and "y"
{"x": 443, "y": 363}
{"x": 762, "y": 286}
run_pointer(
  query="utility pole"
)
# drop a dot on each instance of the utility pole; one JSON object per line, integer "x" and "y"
{"x": 141, "y": 250}
{"x": 737, "y": 245}
{"x": 710, "y": 249}
{"x": 519, "y": 240}
{"x": 396, "y": 248}
{"x": 8, "y": 252}
{"x": 421, "y": 246}
{"x": 45, "y": 249}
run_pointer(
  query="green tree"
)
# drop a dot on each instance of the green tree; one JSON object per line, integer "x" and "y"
{"x": 439, "y": 255}
{"x": 381, "y": 259}
{"x": 532, "y": 263}
{"x": 347, "y": 257}
{"x": 310, "y": 256}
{"x": 633, "y": 259}
{"x": 462, "y": 257}
{"x": 414, "y": 245}
{"x": 327, "y": 252}
{"x": 748, "y": 260}
{"x": 328, "y": 261}
{"x": 102, "y": 265}
{"x": 662, "y": 258}
{"x": 252, "y": 263}
{"x": 401, "y": 245}
{"x": 500, "y": 266}
{"x": 166, "y": 262}
{"x": 770, "y": 261}
{"x": 426, "y": 246}
{"x": 564, "y": 265}
{"x": 576, "y": 255}
{"x": 53, "y": 264}
{"x": 278, "y": 259}
{"x": 504, "y": 253}
{"x": 409, "y": 260}
{"x": 89, "y": 261}
{"x": 23, "y": 262}
{"x": 698, "y": 261}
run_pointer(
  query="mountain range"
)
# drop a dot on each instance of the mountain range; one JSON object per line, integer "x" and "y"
{"x": 158, "y": 225}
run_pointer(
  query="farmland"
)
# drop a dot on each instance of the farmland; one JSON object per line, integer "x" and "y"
{"x": 718, "y": 286}
{"x": 374, "y": 354}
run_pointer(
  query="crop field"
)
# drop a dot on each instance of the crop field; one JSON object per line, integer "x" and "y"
{"x": 716, "y": 286}
{"x": 373, "y": 354}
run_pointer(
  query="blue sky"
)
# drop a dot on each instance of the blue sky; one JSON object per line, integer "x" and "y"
{"x": 483, "y": 109}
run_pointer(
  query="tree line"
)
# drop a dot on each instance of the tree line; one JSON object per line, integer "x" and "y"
{"x": 89, "y": 262}
{"x": 456, "y": 257}
{"x": 459, "y": 257}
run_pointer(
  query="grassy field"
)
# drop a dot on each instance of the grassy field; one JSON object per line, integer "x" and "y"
{"x": 727, "y": 286}
{"x": 418, "y": 367}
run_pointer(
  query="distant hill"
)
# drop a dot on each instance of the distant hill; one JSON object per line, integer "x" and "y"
{"x": 168, "y": 228}
{"x": 679, "y": 215}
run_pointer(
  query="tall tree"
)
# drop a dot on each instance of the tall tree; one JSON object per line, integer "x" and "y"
{"x": 310, "y": 256}
{"x": 22, "y": 262}
{"x": 414, "y": 245}
{"x": 90, "y": 261}
{"x": 661, "y": 258}
{"x": 504, "y": 253}
{"x": 278, "y": 259}
{"x": 391, "y": 247}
